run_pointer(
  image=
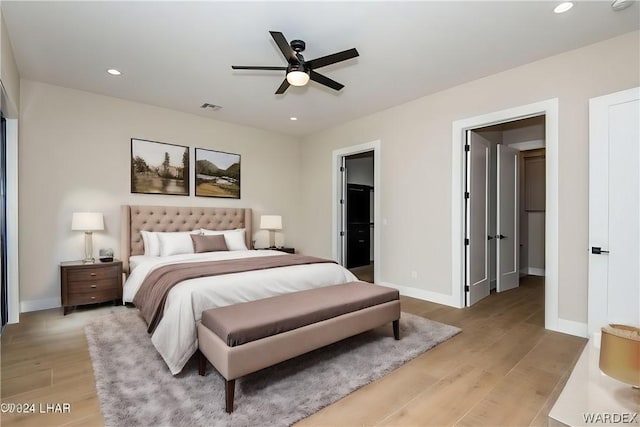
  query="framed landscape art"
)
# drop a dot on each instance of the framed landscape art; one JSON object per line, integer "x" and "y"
{"x": 159, "y": 168}
{"x": 217, "y": 174}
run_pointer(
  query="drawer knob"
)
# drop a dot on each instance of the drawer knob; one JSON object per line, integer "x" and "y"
{"x": 93, "y": 297}
{"x": 93, "y": 274}
{"x": 94, "y": 286}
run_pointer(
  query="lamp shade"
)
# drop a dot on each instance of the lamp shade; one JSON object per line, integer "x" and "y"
{"x": 620, "y": 353}
{"x": 87, "y": 221}
{"x": 271, "y": 222}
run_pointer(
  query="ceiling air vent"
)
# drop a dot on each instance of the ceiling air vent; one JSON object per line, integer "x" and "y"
{"x": 213, "y": 107}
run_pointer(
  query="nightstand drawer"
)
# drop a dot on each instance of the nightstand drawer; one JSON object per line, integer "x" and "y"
{"x": 86, "y": 274}
{"x": 96, "y": 295}
{"x": 104, "y": 285}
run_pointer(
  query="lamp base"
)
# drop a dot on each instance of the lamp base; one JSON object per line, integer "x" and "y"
{"x": 88, "y": 248}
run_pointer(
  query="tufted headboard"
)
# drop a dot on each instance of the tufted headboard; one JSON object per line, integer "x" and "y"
{"x": 134, "y": 219}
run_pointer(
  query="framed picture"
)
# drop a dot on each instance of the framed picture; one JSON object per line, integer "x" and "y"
{"x": 159, "y": 168}
{"x": 217, "y": 174}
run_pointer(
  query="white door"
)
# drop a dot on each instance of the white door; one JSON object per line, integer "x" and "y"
{"x": 614, "y": 210}
{"x": 477, "y": 205}
{"x": 507, "y": 241}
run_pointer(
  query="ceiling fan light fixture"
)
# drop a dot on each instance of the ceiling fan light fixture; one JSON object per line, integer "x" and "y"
{"x": 297, "y": 78}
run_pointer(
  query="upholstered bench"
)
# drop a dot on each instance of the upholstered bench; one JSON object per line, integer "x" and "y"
{"x": 243, "y": 338}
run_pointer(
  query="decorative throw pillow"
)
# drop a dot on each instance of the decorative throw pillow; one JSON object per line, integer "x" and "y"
{"x": 212, "y": 243}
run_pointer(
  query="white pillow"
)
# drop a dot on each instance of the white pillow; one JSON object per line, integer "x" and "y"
{"x": 175, "y": 243}
{"x": 151, "y": 243}
{"x": 233, "y": 238}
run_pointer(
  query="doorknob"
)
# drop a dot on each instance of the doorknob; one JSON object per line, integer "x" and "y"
{"x": 500, "y": 236}
{"x": 597, "y": 250}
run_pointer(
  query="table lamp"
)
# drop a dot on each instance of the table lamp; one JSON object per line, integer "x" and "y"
{"x": 87, "y": 222}
{"x": 271, "y": 223}
{"x": 620, "y": 353}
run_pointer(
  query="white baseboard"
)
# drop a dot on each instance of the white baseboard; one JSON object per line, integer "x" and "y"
{"x": 532, "y": 271}
{"x": 39, "y": 304}
{"x": 535, "y": 271}
{"x": 572, "y": 327}
{"x": 436, "y": 297}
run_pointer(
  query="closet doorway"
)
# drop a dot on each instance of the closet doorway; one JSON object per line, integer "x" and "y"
{"x": 360, "y": 213}
{"x": 356, "y": 207}
{"x": 505, "y": 193}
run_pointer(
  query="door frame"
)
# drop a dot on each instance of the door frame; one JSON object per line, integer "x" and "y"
{"x": 549, "y": 108}
{"x": 336, "y": 161}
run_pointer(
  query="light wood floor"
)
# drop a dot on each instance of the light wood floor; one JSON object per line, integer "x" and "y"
{"x": 504, "y": 369}
{"x": 364, "y": 273}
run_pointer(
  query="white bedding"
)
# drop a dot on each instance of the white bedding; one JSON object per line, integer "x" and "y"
{"x": 175, "y": 337}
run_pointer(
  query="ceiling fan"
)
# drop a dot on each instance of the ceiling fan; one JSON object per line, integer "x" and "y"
{"x": 299, "y": 71}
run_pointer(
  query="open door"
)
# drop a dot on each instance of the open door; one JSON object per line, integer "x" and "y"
{"x": 342, "y": 238}
{"x": 614, "y": 210}
{"x": 507, "y": 253}
{"x": 477, "y": 218}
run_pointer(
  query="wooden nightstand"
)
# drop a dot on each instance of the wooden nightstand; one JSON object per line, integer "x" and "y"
{"x": 82, "y": 284}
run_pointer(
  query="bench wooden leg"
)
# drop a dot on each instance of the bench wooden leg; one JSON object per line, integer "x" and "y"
{"x": 396, "y": 329}
{"x": 202, "y": 363}
{"x": 228, "y": 393}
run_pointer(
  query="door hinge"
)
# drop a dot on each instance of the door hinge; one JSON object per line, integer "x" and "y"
{"x": 466, "y": 242}
{"x": 342, "y": 234}
{"x": 341, "y": 168}
{"x": 466, "y": 288}
{"x": 466, "y": 195}
{"x": 467, "y": 147}
{"x": 342, "y": 201}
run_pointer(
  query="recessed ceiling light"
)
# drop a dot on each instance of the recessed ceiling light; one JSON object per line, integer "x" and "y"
{"x": 620, "y": 4}
{"x": 113, "y": 72}
{"x": 563, "y": 7}
{"x": 293, "y": 118}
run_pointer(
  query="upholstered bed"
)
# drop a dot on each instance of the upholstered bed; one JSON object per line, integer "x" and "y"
{"x": 175, "y": 335}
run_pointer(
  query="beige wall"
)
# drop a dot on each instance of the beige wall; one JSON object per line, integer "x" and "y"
{"x": 416, "y": 165}
{"x": 75, "y": 156}
{"x": 9, "y": 72}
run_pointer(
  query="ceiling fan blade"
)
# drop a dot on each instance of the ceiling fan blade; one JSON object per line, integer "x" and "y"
{"x": 283, "y": 44}
{"x": 333, "y": 58}
{"x": 284, "y": 86}
{"x": 324, "y": 80}
{"x": 251, "y": 67}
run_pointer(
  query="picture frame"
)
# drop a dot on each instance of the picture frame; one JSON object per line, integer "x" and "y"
{"x": 159, "y": 168}
{"x": 217, "y": 174}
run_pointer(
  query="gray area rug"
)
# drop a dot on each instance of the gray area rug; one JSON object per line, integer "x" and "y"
{"x": 135, "y": 387}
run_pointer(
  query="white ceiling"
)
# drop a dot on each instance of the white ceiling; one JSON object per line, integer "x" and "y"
{"x": 179, "y": 54}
